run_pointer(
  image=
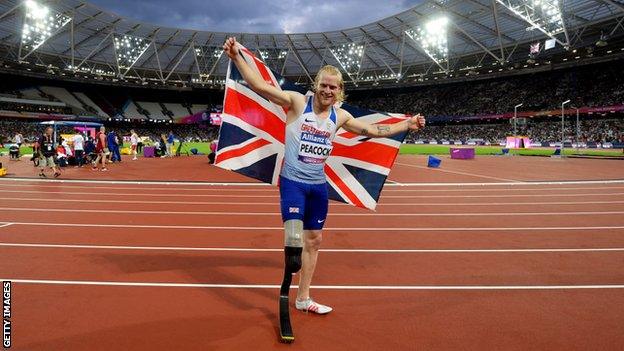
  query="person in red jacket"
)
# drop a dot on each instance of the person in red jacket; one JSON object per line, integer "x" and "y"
{"x": 101, "y": 149}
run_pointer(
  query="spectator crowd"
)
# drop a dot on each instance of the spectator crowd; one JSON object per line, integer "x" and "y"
{"x": 32, "y": 129}
{"x": 446, "y": 106}
{"x": 587, "y": 86}
{"x": 590, "y": 130}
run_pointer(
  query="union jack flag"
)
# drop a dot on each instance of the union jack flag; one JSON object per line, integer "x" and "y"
{"x": 251, "y": 140}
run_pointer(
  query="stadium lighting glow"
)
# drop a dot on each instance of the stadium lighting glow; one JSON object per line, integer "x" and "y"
{"x": 40, "y": 23}
{"x": 433, "y": 39}
{"x": 274, "y": 58}
{"x": 349, "y": 56}
{"x": 378, "y": 77}
{"x": 544, "y": 15}
{"x": 128, "y": 49}
{"x": 207, "y": 58}
{"x": 208, "y": 51}
{"x": 96, "y": 71}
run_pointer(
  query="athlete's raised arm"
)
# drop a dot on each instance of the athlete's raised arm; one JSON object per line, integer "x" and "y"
{"x": 356, "y": 126}
{"x": 255, "y": 81}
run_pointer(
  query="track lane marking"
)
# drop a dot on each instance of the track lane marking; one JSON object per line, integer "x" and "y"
{"x": 365, "y": 229}
{"x": 238, "y": 249}
{"x": 324, "y": 287}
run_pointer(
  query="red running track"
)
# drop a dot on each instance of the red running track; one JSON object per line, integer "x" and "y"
{"x": 188, "y": 267}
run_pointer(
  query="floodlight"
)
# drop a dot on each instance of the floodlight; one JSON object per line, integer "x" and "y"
{"x": 40, "y": 23}
{"x": 349, "y": 56}
{"x": 544, "y": 15}
{"x": 433, "y": 39}
{"x": 207, "y": 58}
{"x": 128, "y": 49}
{"x": 273, "y": 57}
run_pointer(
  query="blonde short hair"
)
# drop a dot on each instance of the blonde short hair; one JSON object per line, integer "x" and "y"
{"x": 329, "y": 69}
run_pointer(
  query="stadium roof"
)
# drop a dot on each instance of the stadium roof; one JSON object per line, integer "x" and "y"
{"x": 76, "y": 37}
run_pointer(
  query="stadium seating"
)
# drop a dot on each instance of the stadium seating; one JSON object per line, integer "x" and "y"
{"x": 131, "y": 111}
{"x": 177, "y": 109}
{"x": 154, "y": 110}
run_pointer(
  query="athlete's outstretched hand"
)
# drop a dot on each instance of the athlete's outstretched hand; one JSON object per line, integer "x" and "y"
{"x": 231, "y": 47}
{"x": 416, "y": 122}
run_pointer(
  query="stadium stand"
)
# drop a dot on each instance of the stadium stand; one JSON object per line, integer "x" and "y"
{"x": 85, "y": 99}
{"x": 177, "y": 110}
{"x": 153, "y": 109}
{"x": 62, "y": 95}
{"x": 131, "y": 111}
{"x": 198, "y": 108}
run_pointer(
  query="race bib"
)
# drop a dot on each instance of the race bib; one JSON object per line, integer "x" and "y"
{"x": 315, "y": 145}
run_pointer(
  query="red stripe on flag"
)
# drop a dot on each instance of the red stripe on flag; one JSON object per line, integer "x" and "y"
{"x": 343, "y": 187}
{"x": 245, "y": 50}
{"x": 248, "y": 110}
{"x": 391, "y": 120}
{"x": 378, "y": 154}
{"x": 264, "y": 71}
{"x": 261, "y": 67}
{"x": 242, "y": 151}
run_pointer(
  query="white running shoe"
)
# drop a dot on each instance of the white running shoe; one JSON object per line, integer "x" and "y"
{"x": 309, "y": 305}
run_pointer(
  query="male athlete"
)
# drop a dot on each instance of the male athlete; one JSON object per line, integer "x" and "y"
{"x": 311, "y": 125}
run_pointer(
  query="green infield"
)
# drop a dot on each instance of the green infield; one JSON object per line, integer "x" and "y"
{"x": 425, "y": 149}
{"x": 23, "y": 150}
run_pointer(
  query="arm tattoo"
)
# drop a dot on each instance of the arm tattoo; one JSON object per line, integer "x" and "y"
{"x": 383, "y": 129}
{"x": 364, "y": 132}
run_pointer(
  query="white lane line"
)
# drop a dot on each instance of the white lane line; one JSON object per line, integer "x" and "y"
{"x": 276, "y": 189}
{"x": 135, "y": 182}
{"x": 251, "y": 185}
{"x": 134, "y": 187}
{"x": 407, "y": 190}
{"x": 368, "y": 214}
{"x": 62, "y": 192}
{"x": 236, "y": 249}
{"x": 273, "y": 203}
{"x": 324, "y": 287}
{"x": 517, "y": 183}
{"x": 393, "y": 183}
{"x": 276, "y": 196}
{"x": 490, "y": 203}
{"x": 457, "y": 172}
{"x": 4, "y": 224}
{"x": 363, "y": 229}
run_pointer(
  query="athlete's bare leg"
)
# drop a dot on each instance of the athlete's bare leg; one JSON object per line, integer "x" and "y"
{"x": 311, "y": 246}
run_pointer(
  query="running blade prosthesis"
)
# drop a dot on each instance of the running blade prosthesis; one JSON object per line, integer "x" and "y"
{"x": 292, "y": 265}
{"x": 286, "y": 333}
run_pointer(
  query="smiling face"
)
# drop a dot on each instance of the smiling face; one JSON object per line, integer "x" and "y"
{"x": 329, "y": 87}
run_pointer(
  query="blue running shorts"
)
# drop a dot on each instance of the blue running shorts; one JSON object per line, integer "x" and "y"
{"x": 307, "y": 202}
